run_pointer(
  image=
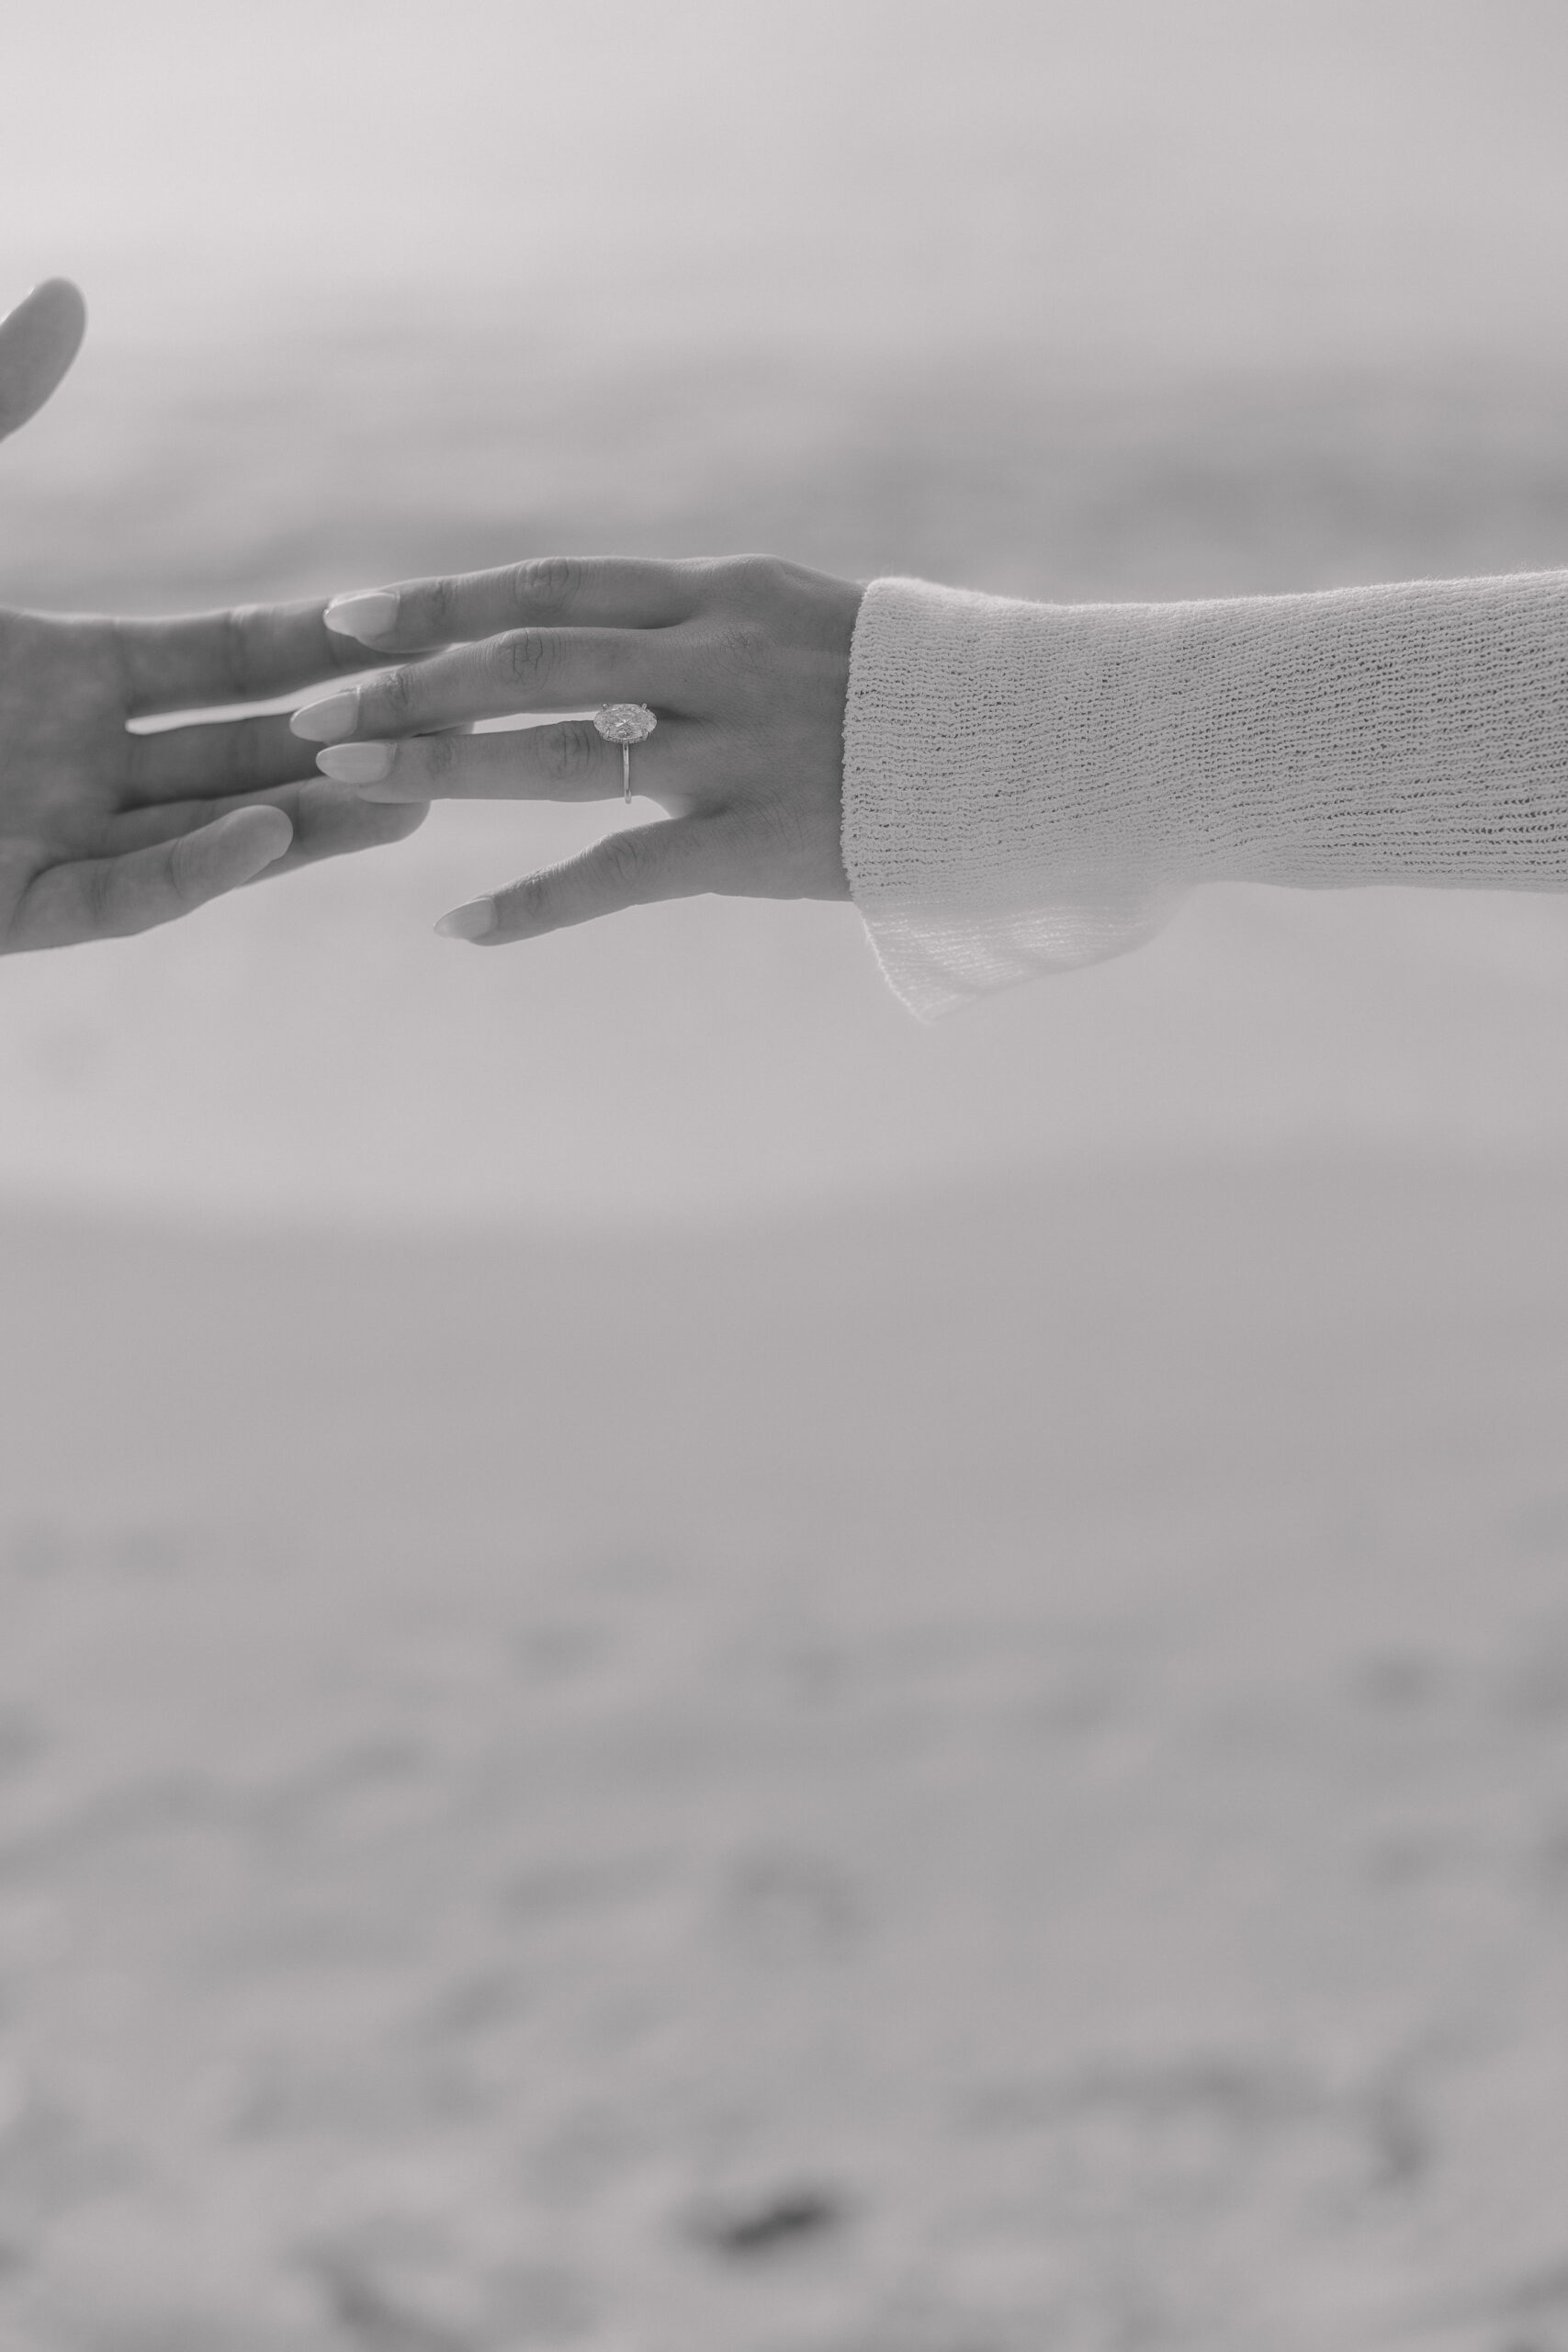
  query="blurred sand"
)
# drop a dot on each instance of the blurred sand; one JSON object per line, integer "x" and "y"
{"x": 986, "y": 1777}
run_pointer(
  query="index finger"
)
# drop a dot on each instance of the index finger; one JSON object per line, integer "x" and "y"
{"x": 247, "y": 654}
{"x": 609, "y": 592}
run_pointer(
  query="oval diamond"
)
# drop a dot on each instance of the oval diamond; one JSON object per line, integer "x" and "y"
{"x": 625, "y": 722}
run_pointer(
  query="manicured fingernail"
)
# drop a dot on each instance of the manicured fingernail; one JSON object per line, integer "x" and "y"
{"x": 357, "y": 763}
{"x": 476, "y": 921}
{"x": 328, "y": 721}
{"x": 368, "y": 614}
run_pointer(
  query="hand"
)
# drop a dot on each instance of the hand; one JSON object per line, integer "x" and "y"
{"x": 103, "y": 833}
{"x": 745, "y": 663}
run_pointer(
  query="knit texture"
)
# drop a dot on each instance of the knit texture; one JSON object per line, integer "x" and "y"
{"x": 1033, "y": 786}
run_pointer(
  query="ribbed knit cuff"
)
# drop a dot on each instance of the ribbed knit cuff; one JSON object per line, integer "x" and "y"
{"x": 959, "y": 847}
{"x": 1032, "y": 786}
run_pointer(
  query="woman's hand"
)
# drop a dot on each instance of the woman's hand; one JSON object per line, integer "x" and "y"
{"x": 745, "y": 663}
{"x": 103, "y": 831}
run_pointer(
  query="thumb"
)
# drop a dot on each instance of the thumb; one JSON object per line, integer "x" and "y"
{"x": 678, "y": 859}
{"x": 38, "y": 340}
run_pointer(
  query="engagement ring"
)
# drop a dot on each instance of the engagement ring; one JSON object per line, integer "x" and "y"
{"x": 624, "y": 723}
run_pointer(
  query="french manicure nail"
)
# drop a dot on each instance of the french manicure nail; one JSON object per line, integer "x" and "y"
{"x": 368, "y": 614}
{"x": 476, "y": 921}
{"x": 357, "y": 763}
{"x": 327, "y": 721}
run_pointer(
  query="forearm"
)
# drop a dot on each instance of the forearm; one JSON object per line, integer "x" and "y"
{"x": 1032, "y": 786}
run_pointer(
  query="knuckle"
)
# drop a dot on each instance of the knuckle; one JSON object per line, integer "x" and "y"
{"x": 754, "y": 583}
{"x": 622, "y": 863}
{"x": 522, "y": 657}
{"x": 391, "y": 699}
{"x": 524, "y": 906}
{"x": 440, "y": 756}
{"x": 438, "y": 609}
{"x": 571, "y": 752}
{"x": 545, "y": 586}
{"x": 742, "y": 647}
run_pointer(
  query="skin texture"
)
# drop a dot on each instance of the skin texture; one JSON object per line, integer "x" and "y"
{"x": 105, "y": 833}
{"x": 745, "y": 662}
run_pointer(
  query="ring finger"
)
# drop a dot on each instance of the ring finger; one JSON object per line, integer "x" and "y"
{"x": 568, "y": 761}
{"x": 525, "y": 669}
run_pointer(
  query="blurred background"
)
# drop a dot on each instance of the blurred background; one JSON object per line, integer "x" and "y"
{"x": 683, "y": 1665}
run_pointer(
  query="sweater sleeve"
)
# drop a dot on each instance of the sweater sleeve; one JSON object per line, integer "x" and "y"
{"x": 1033, "y": 786}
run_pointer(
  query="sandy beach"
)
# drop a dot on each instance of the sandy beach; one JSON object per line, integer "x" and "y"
{"x": 987, "y": 1774}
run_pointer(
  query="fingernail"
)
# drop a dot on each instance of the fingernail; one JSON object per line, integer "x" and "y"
{"x": 355, "y": 763}
{"x": 368, "y": 614}
{"x": 327, "y": 721}
{"x": 267, "y": 839}
{"x": 476, "y": 921}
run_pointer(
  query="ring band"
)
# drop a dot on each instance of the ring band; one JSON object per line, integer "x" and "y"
{"x": 624, "y": 723}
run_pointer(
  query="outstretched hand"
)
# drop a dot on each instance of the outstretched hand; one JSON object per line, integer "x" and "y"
{"x": 744, "y": 662}
{"x": 103, "y": 831}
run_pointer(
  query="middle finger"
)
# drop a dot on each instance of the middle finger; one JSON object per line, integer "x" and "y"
{"x": 526, "y": 669}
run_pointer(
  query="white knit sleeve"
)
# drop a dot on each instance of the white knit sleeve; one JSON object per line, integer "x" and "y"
{"x": 1029, "y": 787}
